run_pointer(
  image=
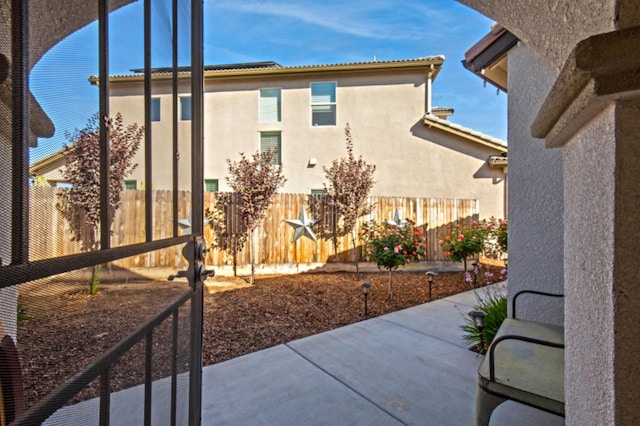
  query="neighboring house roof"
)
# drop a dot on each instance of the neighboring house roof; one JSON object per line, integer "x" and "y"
{"x": 47, "y": 163}
{"x": 488, "y": 57}
{"x": 432, "y": 120}
{"x": 273, "y": 68}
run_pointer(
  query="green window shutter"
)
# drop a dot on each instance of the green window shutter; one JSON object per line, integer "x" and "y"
{"x": 323, "y": 104}
{"x": 270, "y": 141}
{"x": 131, "y": 184}
{"x": 211, "y": 185}
{"x": 270, "y": 105}
{"x": 185, "y": 108}
{"x": 155, "y": 109}
{"x": 318, "y": 192}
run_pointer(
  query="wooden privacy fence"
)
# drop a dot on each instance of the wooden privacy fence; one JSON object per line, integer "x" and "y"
{"x": 50, "y": 235}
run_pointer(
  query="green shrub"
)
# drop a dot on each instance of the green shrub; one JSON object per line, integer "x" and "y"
{"x": 22, "y": 312}
{"x": 494, "y": 304}
{"x": 462, "y": 242}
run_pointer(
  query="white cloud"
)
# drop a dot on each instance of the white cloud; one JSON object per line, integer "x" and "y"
{"x": 369, "y": 19}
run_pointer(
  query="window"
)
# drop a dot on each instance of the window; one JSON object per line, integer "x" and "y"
{"x": 270, "y": 108}
{"x": 270, "y": 141}
{"x": 185, "y": 108}
{"x": 131, "y": 184}
{"x": 155, "y": 109}
{"x": 318, "y": 192}
{"x": 323, "y": 104}
{"x": 211, "y": 185}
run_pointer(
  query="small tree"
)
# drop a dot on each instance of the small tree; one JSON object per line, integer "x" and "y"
{"x": 227, "y": 235}
{"x": 350, "y": 182}
{"x": 392, "y": 246}
{"x": 80, "y": 205}
{"x": 461, "y": 242}
{"x": 257, "y": 180}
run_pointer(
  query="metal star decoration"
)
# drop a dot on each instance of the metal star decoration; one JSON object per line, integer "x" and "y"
{"x": 303, "y": 225}
{"x": 185, "y": 224}
{"x": 397, "y": 221}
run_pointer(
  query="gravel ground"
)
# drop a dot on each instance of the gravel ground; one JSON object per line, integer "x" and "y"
{"x": 69, "y": 331}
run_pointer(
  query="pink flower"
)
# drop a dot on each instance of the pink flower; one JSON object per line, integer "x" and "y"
{"x": 396, "y": 249}
{"x": 386, "y": 249}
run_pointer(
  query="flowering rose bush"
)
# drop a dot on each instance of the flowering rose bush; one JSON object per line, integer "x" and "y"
{"x": 462, "y": 242}
{"x": 392, "y": 246}
{"x": 497, "y": 230}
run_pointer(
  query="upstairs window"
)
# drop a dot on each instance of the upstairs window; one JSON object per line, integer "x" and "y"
{"x": 211, "y": 185}
{"x": 155, "y": 109}
{"x": 323, "y": 104}
{"x": 185, "y": 108}
{"x": 131, "y": 184}
{"x": 270, "y": 141}
{"x": 270, "y": 105}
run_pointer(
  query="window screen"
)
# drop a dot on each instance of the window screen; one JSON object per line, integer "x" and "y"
{"x": 270, "y": 105}
{"x": 323, "y": 104}
{"x": 270, "y": 141}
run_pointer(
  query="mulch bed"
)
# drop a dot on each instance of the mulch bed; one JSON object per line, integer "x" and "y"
{"x": 67, "y": 332}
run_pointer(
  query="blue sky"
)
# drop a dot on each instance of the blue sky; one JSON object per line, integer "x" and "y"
{"x": 295, "y": 32}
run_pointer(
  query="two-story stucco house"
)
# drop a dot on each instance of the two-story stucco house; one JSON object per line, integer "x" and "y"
{"x": 302, "y": 111}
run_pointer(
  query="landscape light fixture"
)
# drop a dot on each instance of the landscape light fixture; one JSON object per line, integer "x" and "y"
{"x": 366, "y": 288}
{"x": 478, "y": 323}
{"x": 430, "y": 276}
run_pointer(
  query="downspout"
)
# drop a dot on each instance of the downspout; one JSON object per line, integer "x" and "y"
{"x": 429, "y": 79}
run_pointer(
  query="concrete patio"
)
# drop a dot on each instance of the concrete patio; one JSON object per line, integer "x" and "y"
{"x": 409, "y": 367}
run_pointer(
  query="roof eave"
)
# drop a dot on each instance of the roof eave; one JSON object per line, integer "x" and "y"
{"x": 431, "y": 63}
{"x": 431, "y": 122}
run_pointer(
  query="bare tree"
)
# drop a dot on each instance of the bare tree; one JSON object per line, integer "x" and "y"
{"x": 350, "y": 182}
{"x": 257, "y": 180}
{"x": 80, "y": 205}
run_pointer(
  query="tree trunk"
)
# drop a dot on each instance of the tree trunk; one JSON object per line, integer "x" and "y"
{"x": 252, "y": 255}
{"x": 355, "y": 254}
{"x": 234, "y": 242}
{"x": 390, "y": 286}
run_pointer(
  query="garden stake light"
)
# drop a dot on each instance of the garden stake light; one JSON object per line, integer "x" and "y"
{"x": 366, "y": 288}
{"x": 430, "y": 276}
{"x": 478, "y": 322}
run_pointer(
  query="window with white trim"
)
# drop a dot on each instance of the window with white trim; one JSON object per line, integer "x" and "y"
{"x": 270, "y": 105}
{"x": 323, "y": 103}
{"x": 270, "y": 141}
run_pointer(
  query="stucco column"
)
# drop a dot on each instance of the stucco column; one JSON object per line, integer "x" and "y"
{"x": 602, "y": 226}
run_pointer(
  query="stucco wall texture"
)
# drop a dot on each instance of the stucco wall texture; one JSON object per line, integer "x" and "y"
{"x": 589, "y": 189}
{"x": 384, "y": 110}
{"x": 601, "y": 219}
{"x": 536, "y": 231}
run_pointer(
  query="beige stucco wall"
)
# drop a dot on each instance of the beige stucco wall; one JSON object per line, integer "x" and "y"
{"x": 601, "y": 225}
{"x": 536, "y": 230}
{"x": 385, "y": 114}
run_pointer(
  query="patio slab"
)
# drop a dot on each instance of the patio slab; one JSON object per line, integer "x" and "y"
{"x": 406, "y": 368}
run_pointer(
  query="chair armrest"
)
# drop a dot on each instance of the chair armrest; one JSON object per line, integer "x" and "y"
{"x": 497, "y": 340}
{"x": 540, "y": 293}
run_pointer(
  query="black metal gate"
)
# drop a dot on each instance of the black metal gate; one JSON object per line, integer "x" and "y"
{"x": 114, "y": 357}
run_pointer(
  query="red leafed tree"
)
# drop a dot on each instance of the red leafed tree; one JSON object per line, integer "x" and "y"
{"x": 80, "y": 205}
{"x": 256, "y": 180}
{"x": 350, "y": 182}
